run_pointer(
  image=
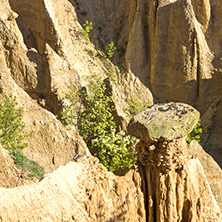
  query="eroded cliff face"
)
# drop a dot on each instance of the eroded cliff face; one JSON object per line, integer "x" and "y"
{"x": 173, "y": 47}
{"x": 209, "y": 165}
{"x": 177, "y": 192}
{"x": 50, "y": 143}
{"x": 43, "y": 57}
{"x": 182, "y": 57}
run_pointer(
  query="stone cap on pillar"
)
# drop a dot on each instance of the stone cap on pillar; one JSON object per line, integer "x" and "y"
{"x": 165, "y": 121}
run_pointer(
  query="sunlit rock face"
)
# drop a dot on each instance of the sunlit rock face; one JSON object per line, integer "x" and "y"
{"x": 174, "y": 183}
{"x": 81, "y": 191}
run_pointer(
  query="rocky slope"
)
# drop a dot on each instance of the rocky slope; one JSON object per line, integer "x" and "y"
{"x": 43, "y": 57}
{"x": 170, "y": 48}
{"x": 173, "y": 47}
{"x": 167, "y": 185}
{"x": 209, "y": 165}
{"x": 80, "y": 191}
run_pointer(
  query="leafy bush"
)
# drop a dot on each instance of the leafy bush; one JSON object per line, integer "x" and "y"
{"x": 97, "y": 119}
{"x": 87, "y": 27}
{"x": 115, "y": 150}
{"x": 92, "y": 114}
{"x": 11, "y": 125}
{"x": 195, "y": 134}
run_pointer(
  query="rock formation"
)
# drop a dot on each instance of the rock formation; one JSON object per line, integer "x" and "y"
{"x": 42, "y": 57}
{"x": 82, "y": 191}
{"x": 173, "y": 47}
{"x": 50, "y": 144}
{"x": 174, "y": 184}
{"x": 211, "y": 169}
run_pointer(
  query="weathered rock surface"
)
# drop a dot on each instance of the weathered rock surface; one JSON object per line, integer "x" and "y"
{"x": 48, "y": 56}
{"x": 42, "y": 49}
{"x": 178, "y": 55}
{"x": 164, "y": 122}
{"x": 174, "y": 183}
{"x": 173, "y": 47}
{"x": 10, "y": 174}
{"x": 80, "y": 191}
{"x": 211, "y": 169}
{"x": 50, "y": 144}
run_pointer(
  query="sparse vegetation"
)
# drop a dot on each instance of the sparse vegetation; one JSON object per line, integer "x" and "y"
{"x": 11, "y": 136}
{"x": 90, "y": 52}
{"x": 195, "y": 134}
{"x": 27, "y": 165}
{"x": 110, "y": 49}
{"x": 135, "y": 105}
{"x": 11, "y": 125}
{"x": 87, "y": 28}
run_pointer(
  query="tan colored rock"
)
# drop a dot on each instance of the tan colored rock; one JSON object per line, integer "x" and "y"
{"x": 10, "y": 174}
{"x": 180, "y": 198}
{"x": 80, "y": 191}
{"x": 174, "y": 184}
{"x": 175, "y": 187}
{"x": 211, "y": 169}
{"x": 50, "y": 143}
{"x": 48, "y": 56}
{"x": 173, "y": 47}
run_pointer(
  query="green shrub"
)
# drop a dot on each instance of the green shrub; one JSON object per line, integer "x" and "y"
{"x": 11, "y": 125}
{"x": 115, "y": 150}
{"x": 87, "y": 28}
{"x": 195, "y": 134}
{"x": 110, "y": 49}
{"x": 96, "y": 125}
{"x": 11, "y": 136}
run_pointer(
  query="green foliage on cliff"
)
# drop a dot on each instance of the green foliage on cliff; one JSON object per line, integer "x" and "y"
{"x": 91, "y": 113}
{"x": 11, "y": 125}
{"x": 110, "y": 49}
{"x": 87, "y": 28}
{"x": 11, "y": 137}
{"x": 27, "y": 165}
{"x": 115, "y": 150}
{"x": 195, "y": 134}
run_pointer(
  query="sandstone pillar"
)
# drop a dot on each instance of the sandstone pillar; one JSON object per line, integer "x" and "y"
{"x": 174, "y": 184}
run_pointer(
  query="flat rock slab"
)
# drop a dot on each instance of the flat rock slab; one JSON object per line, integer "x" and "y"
{"x": 166, "y": 121}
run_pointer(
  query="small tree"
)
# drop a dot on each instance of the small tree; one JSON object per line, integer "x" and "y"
{"x": 96, "y": 125}
{"x": 11, "y": 136}
{"x": 11, "y": 125}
